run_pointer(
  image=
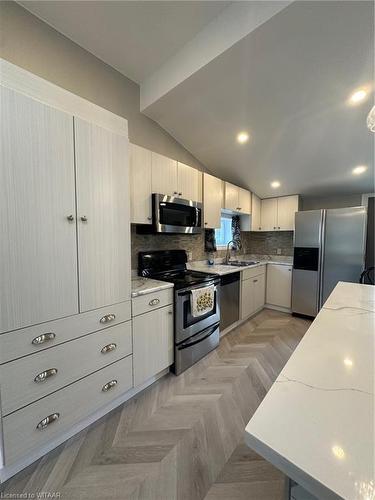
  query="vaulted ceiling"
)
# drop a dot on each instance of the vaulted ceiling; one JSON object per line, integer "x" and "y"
{"x": 281, "y": 71}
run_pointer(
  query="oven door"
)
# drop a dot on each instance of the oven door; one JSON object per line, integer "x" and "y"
{"x": 186, "y": 325}
{"x": 175, "y": 215}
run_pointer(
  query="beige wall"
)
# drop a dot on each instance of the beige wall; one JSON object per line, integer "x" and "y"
{"x": 30, "y": 43}
{"x": 316, "y": 202}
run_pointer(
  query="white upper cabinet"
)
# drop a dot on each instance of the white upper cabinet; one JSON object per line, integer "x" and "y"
{"x": 287, "y": 206}
{"x": 268, "y": 214}
{"x": 212, "y": 201}
{"x": 140, "y": 185}
{"x": 164, "y": 175}
{"x": 103, "y": 207}
{"x": 237, "y": 199}
{"x": 38, "y": 254}
{"x": 189, "y": 182}
{"x": 277, "y": 214}
{"x": 255, "y": 213}
{"x": 244, "y": 201}
{"x": 230, "y": 197}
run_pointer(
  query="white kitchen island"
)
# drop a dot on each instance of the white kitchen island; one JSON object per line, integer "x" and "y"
{"x": 316, "y": 423}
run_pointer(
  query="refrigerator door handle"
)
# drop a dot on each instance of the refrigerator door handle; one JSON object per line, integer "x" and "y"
{"x": 321, "y": 259}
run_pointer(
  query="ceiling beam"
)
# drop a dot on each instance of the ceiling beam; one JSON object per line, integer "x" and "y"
{"x": 230, "y": 26}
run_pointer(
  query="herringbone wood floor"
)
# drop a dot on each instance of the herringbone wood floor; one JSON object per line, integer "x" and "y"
{"x": 183, "y": 437}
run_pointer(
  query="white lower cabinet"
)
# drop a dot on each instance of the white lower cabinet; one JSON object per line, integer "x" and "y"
{"x": 153, "y": 346}
{"x": 27, "y": 379}
{"x": 253, "y": 288}
{"x": 279, "y": 285}
{"x": 34, "y": 426}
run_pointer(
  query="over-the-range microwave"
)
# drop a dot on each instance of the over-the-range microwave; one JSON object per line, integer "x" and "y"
{"x": 173, "y": 215}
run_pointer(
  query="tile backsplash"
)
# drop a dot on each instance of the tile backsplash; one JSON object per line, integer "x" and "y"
{"x": 261, "y": 243}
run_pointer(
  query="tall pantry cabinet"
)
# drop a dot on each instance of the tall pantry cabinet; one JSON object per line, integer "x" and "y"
{"x": 66, "y": 350}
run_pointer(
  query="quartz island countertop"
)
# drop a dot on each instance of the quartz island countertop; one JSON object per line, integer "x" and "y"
{"x": 316, "y": 423}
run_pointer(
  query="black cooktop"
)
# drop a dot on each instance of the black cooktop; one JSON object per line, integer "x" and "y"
{"x": 170, "y": 265}
{"x": 184, "y": 277}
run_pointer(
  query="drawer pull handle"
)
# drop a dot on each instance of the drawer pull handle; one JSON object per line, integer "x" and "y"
{"x": 43, "y": 424}
{"x": 45, "y": 337}
{"x": 154, "y": 302}
{"x": 255, "y": 281}
{"x": 109, "y": 385}
{"x": 107, "y": 318}
{"x": 108, "y": 348}
{"x": 42, "y": 376}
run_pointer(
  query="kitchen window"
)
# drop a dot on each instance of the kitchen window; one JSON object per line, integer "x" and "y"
{"x": 224, "y": 234}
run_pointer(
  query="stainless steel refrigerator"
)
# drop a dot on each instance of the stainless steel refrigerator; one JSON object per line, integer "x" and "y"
{"x": 329, "y": 246}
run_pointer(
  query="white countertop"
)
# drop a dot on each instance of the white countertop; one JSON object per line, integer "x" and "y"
{"x": 316, "y": 423}
{"x": 143, "y": 286}
{"x": 222, "y": 269}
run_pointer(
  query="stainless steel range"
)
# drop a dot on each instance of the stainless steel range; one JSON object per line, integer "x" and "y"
{"x": 194, "y": 336}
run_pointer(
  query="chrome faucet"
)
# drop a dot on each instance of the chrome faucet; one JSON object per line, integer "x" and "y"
{"x": 238, "y": 245}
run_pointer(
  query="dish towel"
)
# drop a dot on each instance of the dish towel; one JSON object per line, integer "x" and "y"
{"x": 209, "y": 240}
{"x": 202, "y": 300}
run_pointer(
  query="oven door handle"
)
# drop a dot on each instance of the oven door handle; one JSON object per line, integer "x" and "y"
{"x": 199, "y": 338}
{"x": 188, "y": 292}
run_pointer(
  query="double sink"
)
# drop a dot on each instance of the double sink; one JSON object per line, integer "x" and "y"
{"x": 241, "y": 263}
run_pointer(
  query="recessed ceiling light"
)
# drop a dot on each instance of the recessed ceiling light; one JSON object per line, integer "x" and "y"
{"x": 348, "y": 362}
{"x": 275, "y": 184}
{"x": 242, "y": 137}
{"x": 338, "y": 452}
{"x": 358, "y": 96}
{"x": 359, "y": 170}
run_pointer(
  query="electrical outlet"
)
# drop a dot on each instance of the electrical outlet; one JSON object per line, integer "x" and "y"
{"x": 278, "y": 251}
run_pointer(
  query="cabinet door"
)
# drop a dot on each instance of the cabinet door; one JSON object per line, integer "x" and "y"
{"x": 103, "y": 207}
{"x": 140, "y": 185}
{"x": 259, "y": 283}
{"x": 279, "y": 285}
{"x": 38, "y": 252}
{"x": 268, "y": 214}
{"x": 247, "y": 298}
{"x": 231, "y": 200}
{"x": 287, "y": 206}
{"x": 212, "y": 200}
{"x": 153, "y": 348}
{"x": 188, "y": 180}
{"x": 255, "y": 213}
{"x": 164, "y": 175}
{"x": 244, "y": 201}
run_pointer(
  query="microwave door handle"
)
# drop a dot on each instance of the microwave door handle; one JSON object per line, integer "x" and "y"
{"x": 196, "y": 216}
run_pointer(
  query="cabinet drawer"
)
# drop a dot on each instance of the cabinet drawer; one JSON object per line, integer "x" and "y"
{"x": 19, "y": 343}
{"x": 71, "y": 404}
{"x": 28, "y": 379}
{"x": 254, "y": 271}
{"x": 146, "y": 303}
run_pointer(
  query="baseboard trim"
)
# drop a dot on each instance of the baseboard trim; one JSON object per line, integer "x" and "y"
{"x": 8, "y": 471}
{"x": 278, "y": 308}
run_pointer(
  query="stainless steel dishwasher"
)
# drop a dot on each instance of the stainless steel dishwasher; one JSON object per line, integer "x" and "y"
{"x": 229, "y": 299}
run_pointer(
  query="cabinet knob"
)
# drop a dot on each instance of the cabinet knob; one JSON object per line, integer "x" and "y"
{"x": 274, "y": 227}
{"x": 109, "y": 385}
{"x": 107, "y": 318}
{"x": 108, "y": 348}
{"x": 45, "y": 337}
{"x": 278, "y": 227}
{"x": 205, "y": 223}
{"x": 70, "y": 218}
{"x": 154, "y": 302}
{"x": 48, "y": 421}
{"x": 42, "y": 376}
{"x": 170, "y": 312}
{"x": 255, "y": 281}
{"x": 175, "y": 192}
{"x": 84, "y": 218}
{"x": 149, "y": 218}
{"x": 179, "y": 194}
